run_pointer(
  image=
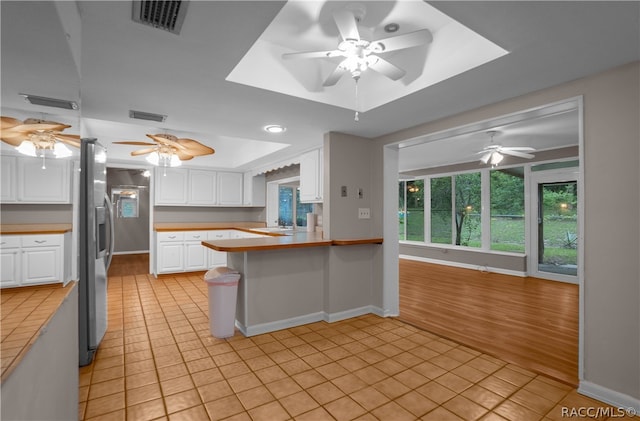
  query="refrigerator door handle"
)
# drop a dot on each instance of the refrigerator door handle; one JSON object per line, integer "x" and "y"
{"x": 112, "y": 233}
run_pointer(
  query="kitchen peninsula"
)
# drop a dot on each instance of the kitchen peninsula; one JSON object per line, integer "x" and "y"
{"x": 286, "y": 280}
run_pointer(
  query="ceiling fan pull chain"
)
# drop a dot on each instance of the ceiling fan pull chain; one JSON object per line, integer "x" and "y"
{"x": 44, "y": 167}
{"x": 356, "y": 117}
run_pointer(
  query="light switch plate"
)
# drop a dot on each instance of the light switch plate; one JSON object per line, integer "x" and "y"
{"x": 364, "y": 213}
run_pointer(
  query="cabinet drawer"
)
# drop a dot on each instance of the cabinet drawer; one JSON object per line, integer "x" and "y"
{"x": 9, "y": 241}
{"x": 41, "y": 240}
{"x": 195, "y": 236}
{"x": 170, "y": 236}
{"x": 218, "y": 235}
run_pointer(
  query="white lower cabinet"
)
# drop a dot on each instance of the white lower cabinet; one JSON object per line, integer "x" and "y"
{"x": 195, "y": 254}
{"x": 182, "y": 251}
{"x": 217, "y": 258}
{"x": 9, "y": 261}
{"x": 32, "y": 259}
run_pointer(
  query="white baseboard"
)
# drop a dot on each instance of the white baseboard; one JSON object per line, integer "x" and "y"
{"x": 464, "y": 265}
{"x": 310, "y": 318}
{"x": 347, "y": 314}
{"x": 280, "y": 324}
{"x": 611, "y": 397}
{"x": 117, "y": 253}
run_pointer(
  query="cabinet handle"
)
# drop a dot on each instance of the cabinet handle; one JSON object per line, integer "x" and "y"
{"x": 172, "y": 236}
{"x": 41, "y": 241}
{"x": 196, "y": 236}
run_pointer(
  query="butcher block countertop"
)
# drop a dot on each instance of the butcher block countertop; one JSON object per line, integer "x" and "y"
{"x": 196, "y": 226}
{"x": 279, "y": 242}
{"x": 17, "y": 229}
{"x": 26, "y": 312}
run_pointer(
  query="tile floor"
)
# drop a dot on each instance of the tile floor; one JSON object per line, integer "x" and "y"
{"x": 159, "y": 361}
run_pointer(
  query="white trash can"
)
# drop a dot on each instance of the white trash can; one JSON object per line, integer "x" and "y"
{"x": 223, "y": 291}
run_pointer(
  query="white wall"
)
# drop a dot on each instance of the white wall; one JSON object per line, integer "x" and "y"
{"x": 611, "y": 287}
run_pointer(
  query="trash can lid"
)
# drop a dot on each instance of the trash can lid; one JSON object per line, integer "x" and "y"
{"x": 221, "y": 272}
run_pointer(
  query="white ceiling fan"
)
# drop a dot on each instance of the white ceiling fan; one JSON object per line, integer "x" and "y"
{"x": 494, "y": 154}
{"x": 359, "y": 53}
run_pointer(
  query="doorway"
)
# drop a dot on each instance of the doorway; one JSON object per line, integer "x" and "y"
{"x": 554, "y": 224}
{"x": 128, "y": 189}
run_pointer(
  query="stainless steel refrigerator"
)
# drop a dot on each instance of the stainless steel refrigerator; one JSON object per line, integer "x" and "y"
{"x": 95, "y": 248}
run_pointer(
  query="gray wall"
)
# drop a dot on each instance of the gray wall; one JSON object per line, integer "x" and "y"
{"x": 36, "y": 214}
{"x": 611, "y": 159}
{"x": 206, "y": 214}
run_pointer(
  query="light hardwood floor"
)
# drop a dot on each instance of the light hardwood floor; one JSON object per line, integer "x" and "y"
{"x": 526, "y": 321}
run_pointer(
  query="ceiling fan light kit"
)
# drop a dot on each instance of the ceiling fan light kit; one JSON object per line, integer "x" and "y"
{"x": 360, "y": 54}
{"x": 33, "y": 136}
{"x": 169, "y": 150}
{"x": 494, "y": 154}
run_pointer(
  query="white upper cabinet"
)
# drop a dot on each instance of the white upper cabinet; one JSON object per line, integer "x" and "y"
{"x": 230, "y": 189}
{"x": 33, "y": 184}
{"x": 254, "y": 190}
{"x": 171, "y": 186}
{"x": 192, "y": 187}
{"x": 8, "y": 179}
{"x": 202, "y": 187}
{"x": 311, "y": 176}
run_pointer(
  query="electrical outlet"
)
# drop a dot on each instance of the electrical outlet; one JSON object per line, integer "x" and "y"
{"x": 364, "y": 213}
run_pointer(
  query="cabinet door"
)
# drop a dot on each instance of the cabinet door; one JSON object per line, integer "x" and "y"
{"x": 202, "y": 187}
{"x": 311, "y": 176}
{"x": 8, "y": 179}
{"x": 229, "y": 189}
{"x": 41, "y": 265}
{"x": 9, "y": 267}
{"x": 170, "y": 257}
{"x": 171, "y": 187}
{"x": 195, "y": 256}
{"x": 214, "y": 257}
{"x": 254, "y": 190}
{"x": 48, "y": 185}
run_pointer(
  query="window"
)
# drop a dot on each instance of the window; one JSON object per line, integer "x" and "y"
{"x": 411, "y": 210}
{"x": 456, "y": 210}
{"x": 507, "y": 210}
{"x": 290, "y": 209}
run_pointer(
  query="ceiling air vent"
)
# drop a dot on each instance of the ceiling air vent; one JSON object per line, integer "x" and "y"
{"x": 141, "y": 115}
{"x": 166, "y": 15}
{"x": 50, "y": 102}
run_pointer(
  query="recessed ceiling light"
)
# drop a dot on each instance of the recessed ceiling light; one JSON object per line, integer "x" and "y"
{"x": 275, "y": 128}
{"x": 391, "y": 27}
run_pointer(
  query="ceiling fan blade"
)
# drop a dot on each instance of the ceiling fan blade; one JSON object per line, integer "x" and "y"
{"x": 8, "y": 122}
{"x": 35, "y": 127}
{"x": 183, "y": 156}
{"x": 69, "y": 139}
{"x": 389, "y": 70}
{"x": 13, "y": 139}
{"x": 313, "y": 54}
{"x": 399, "y": 42}
{"x": 144, "y": 151}
{"x": 135, "y": 143}
{"x": 335, "y": 76}
{"x": 164, "y": 141}
{"x": 518, "y": 148}
{"x": 347, "y": 24}
{"x": 516, "y": 153}
{"x": 195, "y": 148}
{"x": 485, "y": 158}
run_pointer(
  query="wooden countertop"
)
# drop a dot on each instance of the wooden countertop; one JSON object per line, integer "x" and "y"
{"x": 196, "y": 226}
{"x": 26, "y": 311}
{"x": 279, "y": 242}
{"x": 16, "y": 229}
